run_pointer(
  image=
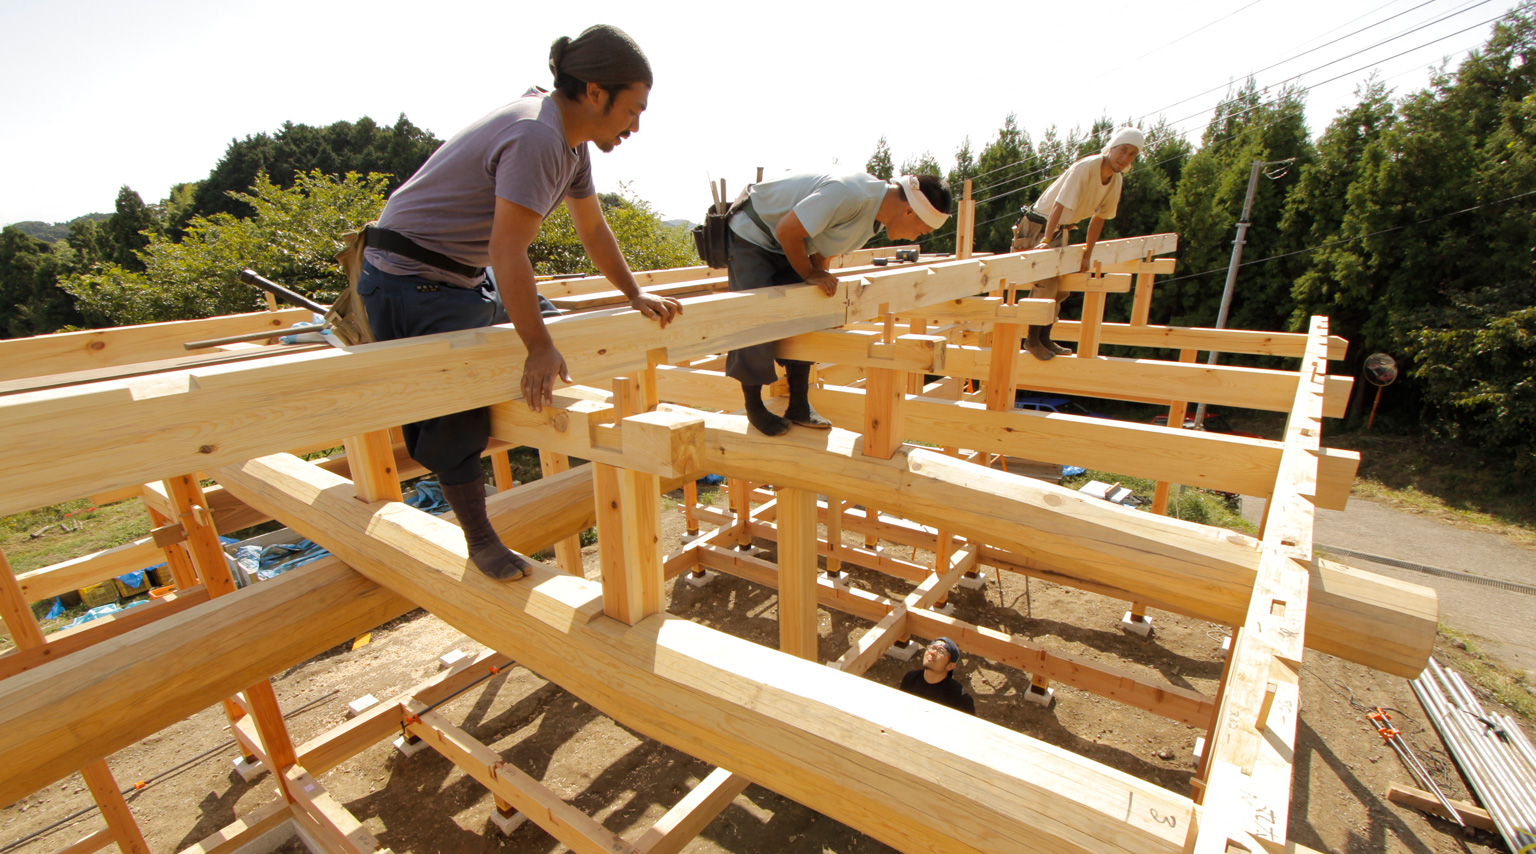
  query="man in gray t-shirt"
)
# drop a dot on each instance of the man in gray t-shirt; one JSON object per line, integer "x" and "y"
{"x": 478, "y": 203}
{"x": 787, "y": 231}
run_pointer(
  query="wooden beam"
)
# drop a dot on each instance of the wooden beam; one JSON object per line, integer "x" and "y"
{"x": 68, "y": 641}
{"x": 68, "y": 352}
{"x": 109, "y": 799}
{"x": 1152, "y": 381}
{"x": 329, "y": 823}
{"x": 1290, "y": 344}
{"x": 567, "y": 549}
{"x": 846, "y": 745}
{"x": 692, "y": 814}
{"x": 1471, "y": 814}
{"x": 1250, "y": 751}
{"x": 582, "y": 833}
{"x": 243, "y": 830}
{"x": 866, "y": 350}
{"x": 93, "y": 438}
{"x": 88, "y": 569}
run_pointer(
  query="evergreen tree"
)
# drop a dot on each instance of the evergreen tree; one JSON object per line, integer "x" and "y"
{"x": 30, "y": 298}
{"x": 879, "y": 164}
{"x": 1245, "y": 128}
{"x": 1009, "y": 172}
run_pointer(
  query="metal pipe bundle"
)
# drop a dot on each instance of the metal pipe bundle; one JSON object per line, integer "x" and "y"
{"x": 1491, "y": 750}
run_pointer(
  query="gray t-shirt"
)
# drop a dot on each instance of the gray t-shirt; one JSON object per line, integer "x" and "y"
{"x": 517, "y": 153}
{"x": 838, "y": 211}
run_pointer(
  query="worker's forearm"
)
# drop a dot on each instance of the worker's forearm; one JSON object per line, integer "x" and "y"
{"x": 1053, "y": 222}
{"x": 520, "y": 296}
{"x": 1095, "y": 227}
{"x": 603, "y": 248}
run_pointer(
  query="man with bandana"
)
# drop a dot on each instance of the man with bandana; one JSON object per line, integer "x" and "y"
{"x": 785, "y": 232}
{"x": 477, "y": 203}
{"x": 936, "y": 681}
{"x": 1089, "y": 188}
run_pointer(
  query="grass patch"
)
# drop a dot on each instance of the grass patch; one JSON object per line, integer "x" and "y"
{"x": 1190, "y": 504}
{"x": 1497, "y": 681}
{"x": 49, "y": 535}
{"x": 1446, "y": 480}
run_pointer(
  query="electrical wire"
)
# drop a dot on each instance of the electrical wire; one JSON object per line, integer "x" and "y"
{"x": 1320, "y": 47}
{"x": 1353, "y": 239}
{"x": 1176, "y": 125}
{"x": 1174, "y": 42}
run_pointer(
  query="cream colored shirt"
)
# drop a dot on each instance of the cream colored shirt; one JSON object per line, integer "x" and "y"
{"x": 1082, "y": 192}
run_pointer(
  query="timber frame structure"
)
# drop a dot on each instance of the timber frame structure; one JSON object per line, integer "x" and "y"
{"x": 124, "y": 413}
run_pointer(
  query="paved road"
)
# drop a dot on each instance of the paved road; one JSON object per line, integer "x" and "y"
{"x": 1504, "y": 621}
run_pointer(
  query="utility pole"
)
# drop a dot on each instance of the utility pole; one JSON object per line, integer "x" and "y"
{"x": 1237, "y": 257}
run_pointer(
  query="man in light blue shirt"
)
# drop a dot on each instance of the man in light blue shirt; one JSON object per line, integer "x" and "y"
{"x": 785, "y": 233}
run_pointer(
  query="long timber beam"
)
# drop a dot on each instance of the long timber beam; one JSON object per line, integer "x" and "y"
{"x": 69, "y": 442}
{"x": 1195, "y": 458}
{"x": 70, "y": 352}
{"x": 94, "y": 702}
{"x": 907, "y": 772}
{"x": 1246, "y": 341}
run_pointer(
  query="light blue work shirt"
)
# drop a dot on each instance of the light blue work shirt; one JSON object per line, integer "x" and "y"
{"x": 837, "y": 211}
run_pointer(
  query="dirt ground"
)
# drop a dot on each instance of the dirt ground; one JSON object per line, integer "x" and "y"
{"x": 424, "y": 804}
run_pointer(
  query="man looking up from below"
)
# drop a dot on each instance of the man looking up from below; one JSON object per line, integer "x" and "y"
{"x": 1090, "y": 187}
{"x": 936, "y": 681}
{"x": 478, "y": 201}
{"x": 785, "y": 232}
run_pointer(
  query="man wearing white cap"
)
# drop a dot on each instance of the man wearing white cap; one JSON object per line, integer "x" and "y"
{"x": 1091, "y": 187}
{"x": 785, "y": 231}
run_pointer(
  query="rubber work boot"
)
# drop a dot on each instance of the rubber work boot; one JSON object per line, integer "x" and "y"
{"x": 800, "y": 411}
{"x": 758, "y": 415}
{"x": 1036, "y": 346}
{"x": 486, "y": 550}
{"x": 1045, "y": 338}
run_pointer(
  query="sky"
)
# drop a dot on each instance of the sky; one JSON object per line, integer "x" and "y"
{"x": 149, "y": 94}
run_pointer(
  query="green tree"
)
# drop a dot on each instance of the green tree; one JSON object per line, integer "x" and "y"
{"x": 292, "y": 237}
{"x": 29, "y": 294}
{"x": 1008, "y": 171}
{"x": 647, "y": 244}
{"x": 336, "y": 149}
{"x": 879, "y": 164}
{"x": 1205, "y": 208}
{"x": 125, "y": 234}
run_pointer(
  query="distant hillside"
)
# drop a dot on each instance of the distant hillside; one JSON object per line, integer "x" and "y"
{"x": 55, "y": 232}
{"x": 678, "y": 223}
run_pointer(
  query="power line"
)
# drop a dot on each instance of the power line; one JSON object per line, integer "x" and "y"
{"x": 1174, "y": 42}
{"x": 1353, "y": 239}
{"x": 1239, "y": 114}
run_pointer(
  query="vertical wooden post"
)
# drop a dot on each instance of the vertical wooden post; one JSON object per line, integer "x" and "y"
{"x": 186, "y": 497}
{"x": 16, "y": 611}
{"x": 629, "y": 506}
{"x": 690, "y": 507}
{"x": 834, "y": 535}
{"x": 1175, "y": 420}
{"x": 885, "y": 398}
{"x": 797, "y": 572}
{"x": 1093, "y": 317}
{"x": 568, "y": 550}
{"x": 114, "y": 809}
{"x": 740, "y": 494}
{"x": 27, "y": 634}
{"x": 501, "y": 470}
{"x": 371, "y": 459}
{"x": 965, "y": 223}
{"x": 1141, "y": 307}
{"x": 176, "y": 558}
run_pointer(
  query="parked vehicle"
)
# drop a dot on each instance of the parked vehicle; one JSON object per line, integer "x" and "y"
{"x": 1058, "y": 405}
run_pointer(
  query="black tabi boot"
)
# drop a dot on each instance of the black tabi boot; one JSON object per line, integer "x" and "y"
{"x": 1045, "y": 338}
{"x": 800, "y": 411}
{"x": 1035, "y": 344}
{"x": 766, "y": 422}
{"x": 489, "y": 554}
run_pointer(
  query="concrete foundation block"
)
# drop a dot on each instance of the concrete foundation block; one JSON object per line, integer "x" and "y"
{"x": 1129, "y": 623}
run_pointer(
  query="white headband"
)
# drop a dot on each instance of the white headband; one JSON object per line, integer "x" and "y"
{"x": 924, "y": 209}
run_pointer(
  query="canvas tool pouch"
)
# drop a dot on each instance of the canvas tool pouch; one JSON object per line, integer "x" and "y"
{"x": 711, "y": 239}
{"x": 1026, "y": 233}
{"x": 348, "y": 317}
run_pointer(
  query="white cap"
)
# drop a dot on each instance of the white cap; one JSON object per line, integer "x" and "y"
{"x": 930, "y": 215}
{"x": 1127, "y": 136}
